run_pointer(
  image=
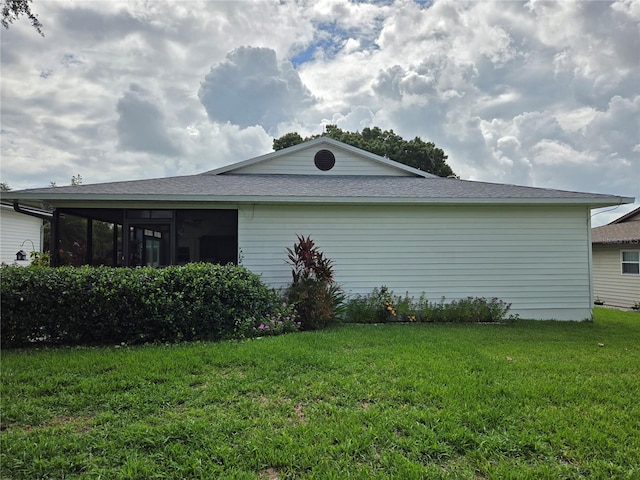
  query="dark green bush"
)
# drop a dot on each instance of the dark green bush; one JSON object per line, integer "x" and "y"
{"x": 383, "y": 306}
{"x": 104, "y": 305}
{"x": 313, "y": 302}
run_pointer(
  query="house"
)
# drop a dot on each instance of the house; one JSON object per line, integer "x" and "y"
{"x": 382, "y": 223}
{"x": 18, "y": 233}
{"x": 616, "y": 261}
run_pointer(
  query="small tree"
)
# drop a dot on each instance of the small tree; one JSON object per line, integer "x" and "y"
{"x": 312, "y": 290}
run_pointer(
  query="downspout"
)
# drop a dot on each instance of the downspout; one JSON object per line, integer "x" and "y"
{"x": 44, "y": 216}
{"x": 590, "y": 264}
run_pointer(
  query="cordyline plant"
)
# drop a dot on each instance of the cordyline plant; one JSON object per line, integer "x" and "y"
{"x": 313, "y": 291}
{"x": 309, "y": 262}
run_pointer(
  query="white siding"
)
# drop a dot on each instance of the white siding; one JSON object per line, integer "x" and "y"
{"x": 16, "y": 228}
{"x": 609, "y": 284}
{"x": 537, "y": 258}
{"x": 301, "y": 163}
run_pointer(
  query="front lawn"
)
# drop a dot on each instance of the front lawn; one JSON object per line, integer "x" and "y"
{"x": 523, "y": 400}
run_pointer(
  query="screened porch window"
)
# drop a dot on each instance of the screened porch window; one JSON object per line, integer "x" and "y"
{"x": 631, "y": 262}
{"x": 145, "y": 237}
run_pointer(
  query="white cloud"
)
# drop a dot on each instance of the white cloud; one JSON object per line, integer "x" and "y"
{"x": 250, "y": 87}
{"x": 574, "y": 121}
{"x": 553, "y": 153}
{"x": 538, "y": 93}
{"x": 142, "y": 125}
{"x": 357, "y": 119}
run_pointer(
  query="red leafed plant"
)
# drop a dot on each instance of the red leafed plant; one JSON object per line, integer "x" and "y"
{"x": 309, "y": 262}
{"x": 313, "y": 291}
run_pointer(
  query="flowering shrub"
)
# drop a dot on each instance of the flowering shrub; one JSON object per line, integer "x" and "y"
{"x": 386, "y": 302}
{"x": 380, "y": 306}
{"x": 283, "y": 318}
{"x": 383, "y": 306}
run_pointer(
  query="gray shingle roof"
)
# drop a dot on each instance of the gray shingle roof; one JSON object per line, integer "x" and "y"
{"x": 617, "y": 233}
{"x": 625, "y": 229}
{"x": 307, "y": 188}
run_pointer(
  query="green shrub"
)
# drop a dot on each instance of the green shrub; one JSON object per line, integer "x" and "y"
{"x": 313, "y": 303}
{"x": 104, "y": 305}
{"x": 383, "y": 306}
{"x": 380, "y": 306}
{"x": 40, "y": 259}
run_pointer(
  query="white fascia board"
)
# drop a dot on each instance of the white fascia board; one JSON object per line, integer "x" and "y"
{"x": 97, "y": 200}
{"x": 314, "y": 142}
{"x": 590, "y": 202}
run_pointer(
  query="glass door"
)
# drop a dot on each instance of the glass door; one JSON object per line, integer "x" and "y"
{"x": 149, "y": 245}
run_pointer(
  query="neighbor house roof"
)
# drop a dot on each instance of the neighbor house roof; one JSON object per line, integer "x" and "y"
{"x": 625, "y": 229}
{"x": 632, "y": 216}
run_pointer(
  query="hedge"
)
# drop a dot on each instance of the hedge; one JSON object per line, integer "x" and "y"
{"x": 105, "y": 305}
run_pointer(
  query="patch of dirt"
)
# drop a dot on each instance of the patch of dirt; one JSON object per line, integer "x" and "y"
{"x": 270, "y": 473}
{"x": 298, "y": 410}
{"x": 80, "y": 424}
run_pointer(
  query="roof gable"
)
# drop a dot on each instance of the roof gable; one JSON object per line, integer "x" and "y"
{"x": 632, "y": 216}
{"x": 300, "y": 159}
{"x": 622, "y": 231}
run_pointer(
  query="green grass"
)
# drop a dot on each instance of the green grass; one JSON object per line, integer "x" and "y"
{"x": 524, "y": 400}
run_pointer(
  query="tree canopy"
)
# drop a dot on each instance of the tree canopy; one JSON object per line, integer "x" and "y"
{"x": 13, "y": 9}
{"x": 415, "y": 153}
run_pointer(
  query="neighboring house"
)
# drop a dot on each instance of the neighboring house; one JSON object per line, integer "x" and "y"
{"x": 616, "y": 261}
{"x": 18, "y": 233}
{"x": 381, "y": 222}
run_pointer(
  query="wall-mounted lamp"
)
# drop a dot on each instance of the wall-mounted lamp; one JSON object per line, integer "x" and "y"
{"x": 21, "y": 256}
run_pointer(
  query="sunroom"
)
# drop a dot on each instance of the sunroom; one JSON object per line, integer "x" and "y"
{"x": 143, "y": 237}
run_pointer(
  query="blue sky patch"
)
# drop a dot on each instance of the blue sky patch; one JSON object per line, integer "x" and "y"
{"x": 328, "y": 39}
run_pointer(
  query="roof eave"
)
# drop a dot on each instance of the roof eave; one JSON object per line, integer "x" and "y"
{"x": 60, "y": 199}
{"x": 618, "y": 241}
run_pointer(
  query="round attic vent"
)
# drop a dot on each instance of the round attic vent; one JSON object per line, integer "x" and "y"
{"x": 324, "y": 160}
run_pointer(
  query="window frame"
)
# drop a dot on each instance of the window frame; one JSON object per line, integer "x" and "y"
{"x": 629, "y": 262}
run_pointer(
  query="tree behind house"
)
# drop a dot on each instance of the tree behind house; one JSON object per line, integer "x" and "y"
{"x": 415, "y": 153}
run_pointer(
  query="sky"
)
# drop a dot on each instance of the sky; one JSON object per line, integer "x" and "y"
{"x": 543, "y": 94}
